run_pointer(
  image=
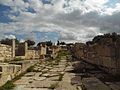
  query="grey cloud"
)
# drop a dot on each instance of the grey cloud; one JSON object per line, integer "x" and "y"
{"x": 73, "y": 26}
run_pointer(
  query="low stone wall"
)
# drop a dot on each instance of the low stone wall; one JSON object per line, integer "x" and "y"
{"x": 32, "y": 54}
{"x": 5, "y": 52}
{"x": 53, "y": 51}
{"x": 15, "y": 68}
{"x": 8, "y": 72}
{"x": 25, "y": 64}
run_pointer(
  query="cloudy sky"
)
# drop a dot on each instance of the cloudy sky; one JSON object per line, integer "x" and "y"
{"x": 66, "y": 20}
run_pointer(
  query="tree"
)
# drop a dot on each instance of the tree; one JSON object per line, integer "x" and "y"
{"x": 30, "y": 42}
{"x": 17, "y": 41}
{"x": 89, "y": 43}
{"x": 97, "y": 38}
{"x": 49, "y": 43}
{"x": 62, "y": 43}
{"x": 58, "y": 43}
{"x": 6, "y": 41}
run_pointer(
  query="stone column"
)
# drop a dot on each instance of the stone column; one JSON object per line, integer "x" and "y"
{"x": 26, "y": 48}
{"x": 45, "y": 50}
{"x": 13, "y": 48}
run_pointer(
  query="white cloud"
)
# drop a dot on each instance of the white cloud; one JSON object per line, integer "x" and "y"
{"x": 76, "y": 21}
{"x": 97, "y": 2}
{"x": 22, "y": 40}
{"x": 10, "y": 36}
{"x": 16, "y": 5}
{"x": 111, "y": 11}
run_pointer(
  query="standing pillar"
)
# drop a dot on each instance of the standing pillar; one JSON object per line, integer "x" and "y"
{"x": 26, "y": 48}
{"x": 13, "y": 48}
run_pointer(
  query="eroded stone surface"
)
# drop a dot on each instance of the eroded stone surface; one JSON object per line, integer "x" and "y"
{"x": 48, "y": 75}
{"x": 41, "y": 84}
{"x": 39, "y": 78}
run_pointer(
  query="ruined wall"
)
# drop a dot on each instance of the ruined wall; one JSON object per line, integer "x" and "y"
{"x": 5, "y": 52}
{"x": 105, "y": 53}
{"x": 52, "y": 51}
{"x": 32, "y": 54}
{"x": 20, "y": 50}
{"x": 55, "y": 50}
{"x": 25, "y": 52}
{"x": 42, "y": 50}
{"x": 78, "y": 50}
{"x": 8, "y": 72}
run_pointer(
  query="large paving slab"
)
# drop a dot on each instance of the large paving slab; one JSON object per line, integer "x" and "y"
{"x": 114, "y": 85}
{"x": 93, "y": 83}
{"x": 65, "y": 86}
{"x": 41, "y": 84}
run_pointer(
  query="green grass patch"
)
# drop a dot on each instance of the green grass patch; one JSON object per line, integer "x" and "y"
{"x": 17, "y": 59}
{"x": 7, "y": 86}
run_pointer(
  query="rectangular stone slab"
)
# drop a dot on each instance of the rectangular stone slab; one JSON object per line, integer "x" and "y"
{"x": 94, "y": 84}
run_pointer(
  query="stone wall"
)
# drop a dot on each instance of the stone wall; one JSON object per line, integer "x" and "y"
{"x": 22, "y": 51}
{"x": 5, "y": 52}
{"x": 78, "y": 50}
{"x": 55, "y": 50}
{"x": 105, "y": 53}
{"x": 15, "y": 68}
{"x": 42, "y": 50}
{"x": 8, "y": 72}
{"x": 32, "y": 54}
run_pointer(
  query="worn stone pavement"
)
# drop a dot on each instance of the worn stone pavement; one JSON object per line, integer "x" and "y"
{"x": 49, "y": 75}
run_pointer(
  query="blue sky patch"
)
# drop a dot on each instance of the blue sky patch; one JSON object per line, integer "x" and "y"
{"x": 4, "y": 12}
{"x": 47, "y": 36}
{"x": 112, "y": 3}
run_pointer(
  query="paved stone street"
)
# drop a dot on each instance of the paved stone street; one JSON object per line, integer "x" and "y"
{"x": 48, "y": 75}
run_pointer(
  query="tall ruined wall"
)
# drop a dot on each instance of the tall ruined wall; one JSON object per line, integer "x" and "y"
{"x": 78, "y": 50}
{"x": 105, "y": 52}
{"x": 5, "y": 52}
